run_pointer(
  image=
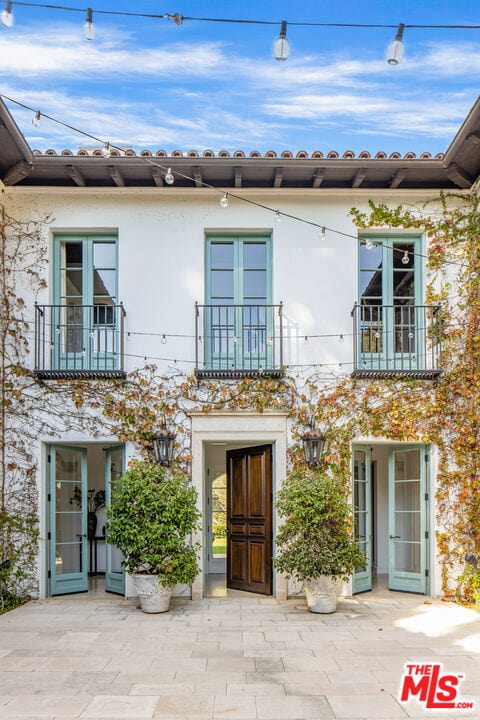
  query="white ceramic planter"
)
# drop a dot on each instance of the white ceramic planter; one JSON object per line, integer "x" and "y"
{"x": 154, "y": 597}
{"x": 322, "y": 594}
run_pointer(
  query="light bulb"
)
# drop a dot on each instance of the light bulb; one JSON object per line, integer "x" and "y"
{"x": 278, "y": 216}
{"x": 396, "y": 49}
{"x": 89, "y": 28}
{"x": 169, "y": 179}
{"x": 368, "y": 244}
{"x": 405, "y": 258}
{"x": 341, "y": 339}
{"x": 323, "y": 234}
{"x": 36, "y": 118}
{"x": 224, "y": 200}
{"x": 6, "y": 16}
{"x": 106, "y": 150}
{"x": 281, "y": 46}
{"x": 84, "y": 352}
{"x": 164, "y": 340}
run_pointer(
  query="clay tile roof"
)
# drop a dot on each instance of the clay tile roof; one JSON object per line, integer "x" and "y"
{"x": 223, "y": 154}
{"x": 439, "y": 156}
{"x": 97, "y": 153}
{"x": 66, "y": 152}
{"x": 332, "y": 155}
{"x": 177, "y": 153}
{"x": 301, "y": 155}
{"x": 160, "y": 153}
{"x": 425, "y": 156}
{"x": 50, "y": 152}
{"x": 348, "y": 155}
{"x": 192, "y": 153}
{"x": 270, "y": 154}
{"x": 395, "y": 156}
{"x": 409, "y": 156}
{"x": 238, "y": 154}
{"x": 114, "y": 153}
{"x": 380, "y": 155}
{"x": 145, "y": 153}
{"x": 82, "y": 152}
{"x": 286, "y": 154}
{"x": 364, "y": 155}
{"x": 208, "y": 154}
{"x": 255, "y": 154}
{"x": 317, "y": 155}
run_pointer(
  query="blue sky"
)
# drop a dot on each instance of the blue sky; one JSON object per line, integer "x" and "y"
{"x": 149, "y": 83}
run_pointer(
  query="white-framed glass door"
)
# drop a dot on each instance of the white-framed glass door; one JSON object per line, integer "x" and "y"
{"x": 114, "y": 570}
{"x": 67, "y": 510}
{"x": 362, "y": 515}
{"x": 408, "y": 502}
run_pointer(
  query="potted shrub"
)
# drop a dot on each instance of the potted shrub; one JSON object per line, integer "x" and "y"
{"x": 315, "y": 543}
{"x": 153, "y": 512}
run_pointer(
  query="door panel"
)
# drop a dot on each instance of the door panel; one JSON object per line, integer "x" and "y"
{"x": 68, "y": 520}
{"x": 249, "y": 519}
{"x": 407, "y": 521}
{"x": 362, "y": 578}
{"x": 114, "y": 572}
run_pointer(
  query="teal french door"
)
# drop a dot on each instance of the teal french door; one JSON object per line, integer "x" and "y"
{"x": 238, "y": 321}
{"x": 67, "y": 536}
{"x": 391, "y": 330}
{"x": 84, "y": 318}
{"x": 114, "y": 572}
{"x": 362, "y": 517}
{"x": 408, "y": 531}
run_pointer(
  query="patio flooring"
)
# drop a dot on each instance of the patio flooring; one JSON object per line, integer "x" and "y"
{"x": 238, "y": 658}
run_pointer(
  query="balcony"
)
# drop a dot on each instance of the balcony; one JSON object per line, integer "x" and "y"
{"x": 397, "y": 340}
{"x": 79, "y": 341}
{"x": 235, "y": 341}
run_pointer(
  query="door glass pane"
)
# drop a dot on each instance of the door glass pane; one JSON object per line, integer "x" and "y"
{"x": 254, "y": 255}
{"x": 68, "y": 558}
{"x": 403, "y": 284}
{"x": 407, "y": 557}
{"x": 370, "y": 259}
{"x": 221, "y": 255}
{"x": 255, "y": 284}
{"x": 219, "y": 517}
{"x": 104, "y": 282}
{"x": 222, "y": 283}
{"x": 407, "y": 511}
{"x": 72, "y": 253}
{"x": 360, "y": 501}
{"x": 72, "y": 283}
{"x": 104, "y": 255}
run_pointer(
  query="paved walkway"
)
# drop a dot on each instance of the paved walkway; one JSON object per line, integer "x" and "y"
{"x": 241, "y": 658}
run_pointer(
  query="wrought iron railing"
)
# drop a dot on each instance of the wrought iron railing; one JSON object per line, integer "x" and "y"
{"x": 76, "y": 340}
{"x": 397, "y": 339}
{"x": 236, "y": 340}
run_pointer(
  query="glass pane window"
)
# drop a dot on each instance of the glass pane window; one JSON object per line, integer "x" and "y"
{"x": 219, "y": 516}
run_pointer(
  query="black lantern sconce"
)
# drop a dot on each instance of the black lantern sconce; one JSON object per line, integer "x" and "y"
{"x": 163, "y": 441}
{"x": 313, "y": 444}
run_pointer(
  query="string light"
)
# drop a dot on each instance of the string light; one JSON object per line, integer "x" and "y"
{"x": 405, "y": 258}
{"x": 89, "y": 28}
{"x": 106, "y": 152}
{"x": 164, "y": 339}
{"x": 396, "y": 49}
{"x": 281, "y": 46}
{"x": 323, "y": 233}
{"x": 6, "y": 15}
{"x": 36, "y": 118}
{"x": 224, "y": 200}
{"x": 169, "y": 179}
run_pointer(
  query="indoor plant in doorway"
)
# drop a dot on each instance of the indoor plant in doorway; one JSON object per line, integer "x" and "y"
{"x": 152, "y": 515}
{"x": 315, "y": 543}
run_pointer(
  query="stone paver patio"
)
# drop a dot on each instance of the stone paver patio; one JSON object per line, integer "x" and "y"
{"x": 240, "y": 658}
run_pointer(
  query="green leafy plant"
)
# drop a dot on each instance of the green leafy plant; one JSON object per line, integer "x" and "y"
{"x": 151, "y": 516}
{"x": 316, "y": 537}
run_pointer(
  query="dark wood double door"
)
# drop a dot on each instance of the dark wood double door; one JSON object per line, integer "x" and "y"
{"x": 249, "y": 519}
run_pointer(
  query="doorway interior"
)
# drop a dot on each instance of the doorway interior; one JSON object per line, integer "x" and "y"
{"x": 238, "y": 528}
{"x": 391, "y": 500}
{"x": 79, "y": 485}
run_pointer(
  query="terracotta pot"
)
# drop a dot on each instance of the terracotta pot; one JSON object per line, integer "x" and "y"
{"x": 154, "y": 597}
{"x": 322, "y": 593}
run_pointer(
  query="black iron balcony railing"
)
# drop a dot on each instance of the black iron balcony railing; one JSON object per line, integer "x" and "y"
{"x": 238, "y": 340}
{"x": 79, "y": 341}
{"x": 397, "y": 340}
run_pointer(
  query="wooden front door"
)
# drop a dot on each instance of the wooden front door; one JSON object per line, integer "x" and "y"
{"x": 249, "y": 519}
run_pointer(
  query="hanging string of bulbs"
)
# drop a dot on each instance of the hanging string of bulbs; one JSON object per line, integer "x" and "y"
{"x": 281, "y": 47}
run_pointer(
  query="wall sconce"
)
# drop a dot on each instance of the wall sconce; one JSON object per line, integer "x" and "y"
{"x": 313, "y": 444}
{"x": 163, "y": 441}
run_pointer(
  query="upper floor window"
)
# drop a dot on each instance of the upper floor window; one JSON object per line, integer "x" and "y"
{"x": 238, "y": 320}
{"x": 393, "y": 327}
